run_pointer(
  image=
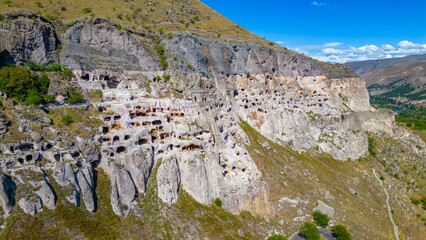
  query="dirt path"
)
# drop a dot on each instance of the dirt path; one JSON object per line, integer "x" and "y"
{"x": 395, "y": 228}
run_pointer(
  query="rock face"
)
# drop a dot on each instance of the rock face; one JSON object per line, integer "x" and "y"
{"x": 111, "y": 47}
{"x": 123, "y": 191}
{"x": 139, "y": 163}
{"x": 168, "y": 180}
{"x": 6, "y": 194}
{"x": 219, "y": 58}
{"x": 85, "y": 180}
{"x": 25, "y": 39}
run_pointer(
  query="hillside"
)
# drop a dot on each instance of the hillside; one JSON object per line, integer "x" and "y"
{"x": 363, "y": 67}
{"x": 118, "y": 121}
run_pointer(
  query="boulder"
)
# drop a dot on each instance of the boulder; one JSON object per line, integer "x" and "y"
{"x": 31, "y": 206}
{"x": 324, "y": 208}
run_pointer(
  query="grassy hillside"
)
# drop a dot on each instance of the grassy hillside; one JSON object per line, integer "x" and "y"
{"x": 142, "y": 15}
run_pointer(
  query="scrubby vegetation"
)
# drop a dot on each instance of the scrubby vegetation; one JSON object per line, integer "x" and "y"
{"x": 277, "y": 237}
{"x": 310, "y": 231}
{"x": 371, "y": 146}
{"x": 24, "y": 87}
{"x": 218, "y": 202}
{"x": 321, "y": 219}
{"x": 75, "y": 97}
{"x": 341, "y": 232}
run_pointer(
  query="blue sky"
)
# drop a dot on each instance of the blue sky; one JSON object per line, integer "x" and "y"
{"x": 334, "y": 30}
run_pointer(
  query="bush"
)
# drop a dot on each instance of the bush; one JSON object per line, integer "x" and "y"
{"x": 50, "y": 17}
{"x": 87, "y": 10}
{"x": 120, "y": 16}
{"x": 38, "y": 4}
{"x": 310, "y": 231}
{"x": 35, "y": 67}
{"x": 63, "y": 8}
{"x": 67, "y": 72}
{"x": 161, "y": 30}
{"x": 277, "y": 237}
{"x": 1, "y": 17}
{"x": 34, "y": 97}
{"x": 321, "y": 219}
{"x": 160, "y": 50}
{"x": 166, "y": 77}
{"x": 271, "y": 43}
{"x": 67, "y": 119}
{"x": 43, "y": 83}
{"x": 118, "y": 26}
{"x": 16, "y": 81}
{"x": 75, "y": 97}
{"x": 371, "y": 146}
{"x": 415, "y": 201}
{"x": 341, "y": 232}
{"x": 49, "y": 98}
{"x": 95, "y": 95}
{"x": 54, "y": 67}
{"x": 218, "y": 202}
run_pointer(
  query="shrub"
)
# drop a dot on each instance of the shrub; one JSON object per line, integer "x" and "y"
{"x": 158, "y": 78}
{"x": 271, "y": 43}
{"x": 161, "y": 30}
{"x": 120, "y": 16}
{"x": 187, "y": 25}
{"x": 75, "y": 97}
{"x": 192, "y": 21}
{"x": 371, "y": 146}
{"x": 182, "y": 21}
{"x": 164, "y": 63}
{"x": 35, "y": 67}
{"x": 7, "y": 2}
{"x": 219, "y": 35}
{"x": 1, "y": 17}
{"x": 382, "y": 178}
{"x": 95, "y": 95}
{"x": 67, "y": 119}
{"x": 118, "y": 26}
{"x": 67, "y": 72}
{"x": 54, "y": 67}
{"x": 218, "y": 202}
{"x": 50, "y": 17}
{"x": 38, "y": 4}
{"x": 415, "y": 201}
{"x": 310, "y": 231}
{"x": 63, "y": 8}
{"x": 34, "y": 97}
{"x": 423, "y": 200}
{"x": 160, "y": 50}
{"x": 196, "y": 18}
{"x": 321, "y": 219}
{"x": 277, "y": 237}
{"x": 166, "y": 77}
{"x": 87, "y": 10}
{"x": 43, "y": 83}
{"x": 49, "y": 98}
{"x": 341, "y": 232}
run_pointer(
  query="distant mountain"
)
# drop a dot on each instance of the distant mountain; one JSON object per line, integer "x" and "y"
{"x": 363, "y": 67}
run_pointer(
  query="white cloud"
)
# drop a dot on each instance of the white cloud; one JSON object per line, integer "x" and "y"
{"x": 387, "y": 47}
{"x": 332, "y": 44}
{"x": 318, "y": 3}
{"x": 366, "y": 52}
{"x": 280, "y": 42}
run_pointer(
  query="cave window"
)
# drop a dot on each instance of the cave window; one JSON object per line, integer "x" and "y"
{"x": 121, "y": 149}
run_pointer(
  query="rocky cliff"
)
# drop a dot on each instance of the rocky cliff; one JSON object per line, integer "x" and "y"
{"x": 241, "y": 125}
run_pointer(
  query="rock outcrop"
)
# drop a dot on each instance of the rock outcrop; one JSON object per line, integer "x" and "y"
{"x": 27, "y": 37}
{"x": 6, "y": 194}
{"x": 123, "y": 191}
{"x": 168, "y": 180}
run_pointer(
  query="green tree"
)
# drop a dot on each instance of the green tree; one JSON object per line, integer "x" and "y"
{"x": 341, "y": 232}
{"x": 75, "y": 97}
{"x": 310, "y": 231}
{"x": 16, "y": 81}
{"x": 321, "y": 219}
{"x": 277, "y": 237}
